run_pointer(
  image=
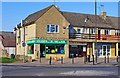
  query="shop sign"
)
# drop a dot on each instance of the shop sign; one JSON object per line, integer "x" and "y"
{"x": 41, "y": 41}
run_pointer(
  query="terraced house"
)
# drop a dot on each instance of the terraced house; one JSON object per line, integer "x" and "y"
{"x": 51, "y": 32}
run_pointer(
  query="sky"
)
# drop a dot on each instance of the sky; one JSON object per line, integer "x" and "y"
{"x": 13, "y": 12}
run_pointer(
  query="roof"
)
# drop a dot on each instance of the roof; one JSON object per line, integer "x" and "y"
{"x": 33, "y": 17}
{"x": 78, "y": 19}
{"x": 8, "y": 39}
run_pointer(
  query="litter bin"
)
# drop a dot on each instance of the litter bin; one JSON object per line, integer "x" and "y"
{"x": 12, "y": 56}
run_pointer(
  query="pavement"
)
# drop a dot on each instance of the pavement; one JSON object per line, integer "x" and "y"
{"x": 78, "y": 68}
{"x": 66, "y": 63}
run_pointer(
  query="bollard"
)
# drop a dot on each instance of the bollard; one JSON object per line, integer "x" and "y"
{"x": 117, "y": 59}
{"x": 105, "y": 59}
{"x": 72, "y": 60}
{"x": 93, "y": 59}
{"x": 61, "y": 60}
{"x": 40, "y": 59}
{"x": 108, "y": 59}
{"x": 85, "y": 59}
{"x": 50, "y": 61}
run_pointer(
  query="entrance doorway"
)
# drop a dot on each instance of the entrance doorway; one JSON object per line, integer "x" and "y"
{"x": 42, "y": 51}
{"x": 105, "y": 50}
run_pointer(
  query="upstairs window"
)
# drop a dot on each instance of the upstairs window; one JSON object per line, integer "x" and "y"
{"x": 51, "y": 28}
{"x": 93, "y": 30}
{"x": 26, "y": 31}
{"x": 86, "y": 30}
{"x": 117, "y": 32}
{"x": 107, "y": 31}
{"x": 78, "y": 30}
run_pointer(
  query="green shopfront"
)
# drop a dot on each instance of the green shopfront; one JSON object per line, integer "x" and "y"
{"x": 47, "y": 48}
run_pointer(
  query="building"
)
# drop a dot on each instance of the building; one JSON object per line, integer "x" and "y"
{"x": 51, "y": 32}
{"x": 7, "y": 42}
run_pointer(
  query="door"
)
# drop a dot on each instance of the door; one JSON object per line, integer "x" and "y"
{"x": 104, "y": 52}
{"x": 99, "y": 34}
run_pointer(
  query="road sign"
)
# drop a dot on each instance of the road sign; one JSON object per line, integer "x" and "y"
{"x": 23, "y": 44}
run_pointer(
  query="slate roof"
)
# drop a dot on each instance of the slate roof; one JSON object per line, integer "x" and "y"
{"x": 78, "y": 19}
{"x": 33, "y": 17}
{"x": 8, "y": 39}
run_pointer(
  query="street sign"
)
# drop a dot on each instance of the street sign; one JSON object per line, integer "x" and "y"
{"x": 23, "y": 44}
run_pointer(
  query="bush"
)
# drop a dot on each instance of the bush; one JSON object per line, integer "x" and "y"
{"x": 7, "y": 60}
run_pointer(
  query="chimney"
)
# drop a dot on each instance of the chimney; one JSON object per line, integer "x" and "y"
{"x": 57, "y": 7}
{"x": 103, "y": 13}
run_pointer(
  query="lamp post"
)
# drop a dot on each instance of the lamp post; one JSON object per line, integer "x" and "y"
{"x": 96, "y": 31}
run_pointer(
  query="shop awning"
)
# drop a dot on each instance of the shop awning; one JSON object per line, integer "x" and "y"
{"x": 43, "y": 41}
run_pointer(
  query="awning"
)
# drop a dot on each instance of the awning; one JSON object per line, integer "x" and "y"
{"x": 43, "y": 41}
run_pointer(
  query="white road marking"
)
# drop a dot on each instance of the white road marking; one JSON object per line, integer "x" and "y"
{"x": 89, "y": 73}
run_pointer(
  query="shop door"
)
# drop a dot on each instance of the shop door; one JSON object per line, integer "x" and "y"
{"x": 42, "y": 51}
{"x": 104, "y": 52}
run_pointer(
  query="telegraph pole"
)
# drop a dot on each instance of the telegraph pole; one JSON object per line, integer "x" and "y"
{"x": 96, "y": 31}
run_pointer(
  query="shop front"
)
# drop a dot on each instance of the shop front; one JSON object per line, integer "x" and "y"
{"x": 47, "y": 47}
{"x": 105, "y": 49}
{"x": 77, "y": 49}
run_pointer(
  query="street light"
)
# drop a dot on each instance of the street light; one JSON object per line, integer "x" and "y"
{"x": 96, "y": 31}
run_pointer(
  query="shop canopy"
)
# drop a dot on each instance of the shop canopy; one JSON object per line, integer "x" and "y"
{"x": 43, "y": 41}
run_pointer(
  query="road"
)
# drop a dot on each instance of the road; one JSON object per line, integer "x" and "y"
{"x": 59, "y": 71}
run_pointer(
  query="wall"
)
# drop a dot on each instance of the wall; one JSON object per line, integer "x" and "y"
{"x": 52, "y": 16}
{"x": 10, "y": 50}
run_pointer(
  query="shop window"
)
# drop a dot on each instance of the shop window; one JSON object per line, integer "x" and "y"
{"x": 51, "y": 28}
{"x": 107, "y": 31}
{"x": 53, "y": 49}
{"x": 30, "y": 49}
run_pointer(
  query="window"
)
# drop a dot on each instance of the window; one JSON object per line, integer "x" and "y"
{"x": 117, "y": 32}
{"x": 51, "y": 28}
{"x": 107, "y": 31}
{"x": 93, "y": 30}
{"x": 55, "y": 49}
{"x": 78, "y": 30}
{"x": 31, "y": 49}
{"x": 19, "y": 36}
{"x": 26, "y": 31}
{"x": 85, "y": 30}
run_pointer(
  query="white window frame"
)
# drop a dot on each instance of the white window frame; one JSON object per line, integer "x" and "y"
{"x": 93, "y": 31}
{"x": 86, "y": 30}
{"x": 80, "y": 30}
{"x": 50, "y": 27}
{"x": 106, "y": 50}
{"x": 108, "y": 31}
